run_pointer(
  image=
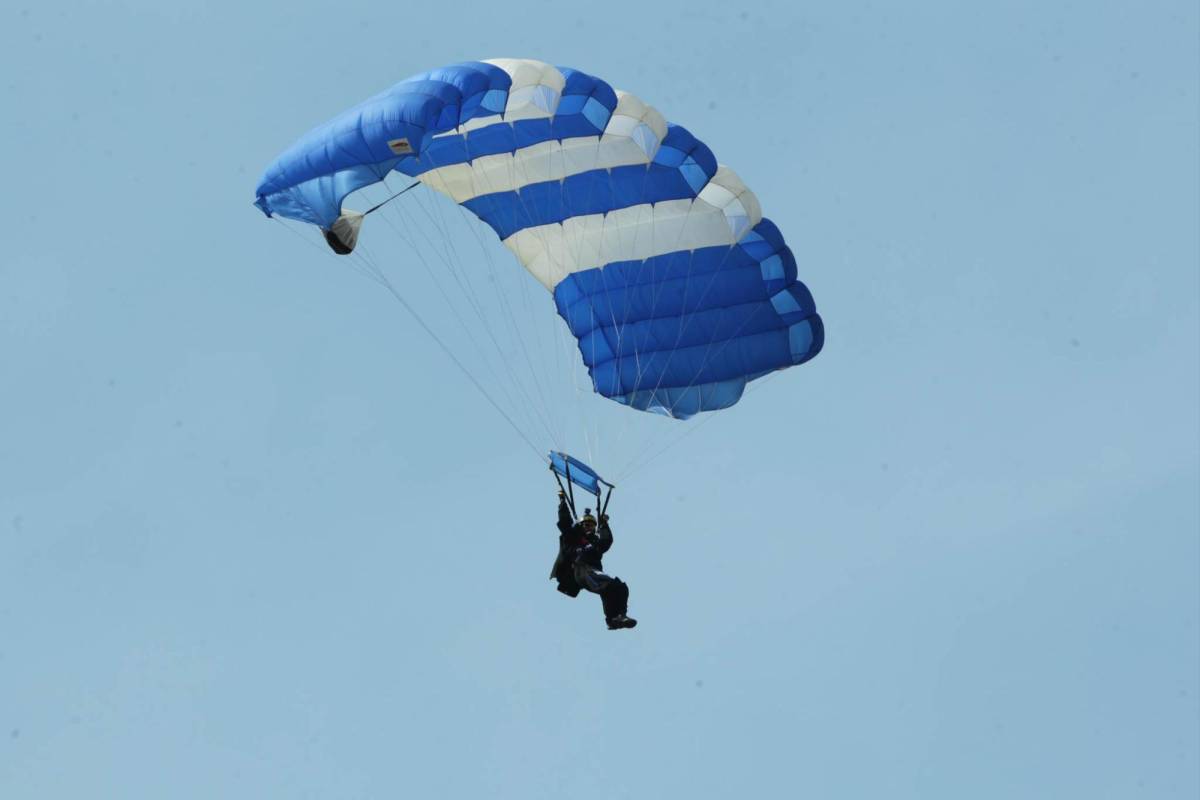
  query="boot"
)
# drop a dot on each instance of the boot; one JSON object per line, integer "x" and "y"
{"x": 621, "y": 621}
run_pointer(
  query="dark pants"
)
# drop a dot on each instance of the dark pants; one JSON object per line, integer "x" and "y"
{"x": 614, "y": 593}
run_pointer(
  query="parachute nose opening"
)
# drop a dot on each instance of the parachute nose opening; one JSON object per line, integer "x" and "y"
{"x": 342, "y": 235}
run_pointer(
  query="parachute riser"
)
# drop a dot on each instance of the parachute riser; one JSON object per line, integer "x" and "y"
{"x": 570, "y": 490}
{"x": 604, "y": 508}
{"x": 563, "y": 492}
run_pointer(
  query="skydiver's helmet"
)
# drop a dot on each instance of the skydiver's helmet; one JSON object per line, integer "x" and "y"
{"x": 588, "y": 521}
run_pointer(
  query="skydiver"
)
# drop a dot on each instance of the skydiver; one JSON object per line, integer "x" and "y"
{"x": 580, "y": 547}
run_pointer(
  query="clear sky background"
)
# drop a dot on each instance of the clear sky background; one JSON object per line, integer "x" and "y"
{"x": 260, "y": 538}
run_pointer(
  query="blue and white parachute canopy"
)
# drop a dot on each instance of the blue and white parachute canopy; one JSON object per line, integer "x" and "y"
{"x": 659, "y": 259}
{"x": 578, "y": 473}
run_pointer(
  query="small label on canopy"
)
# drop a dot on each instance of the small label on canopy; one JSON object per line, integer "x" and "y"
{"x": 400, "y": 147}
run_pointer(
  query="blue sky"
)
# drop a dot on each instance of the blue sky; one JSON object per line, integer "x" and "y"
{"x": 260, "y": 538}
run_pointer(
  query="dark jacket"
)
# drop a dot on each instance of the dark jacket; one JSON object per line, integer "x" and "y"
{"x": 576, "y": 545}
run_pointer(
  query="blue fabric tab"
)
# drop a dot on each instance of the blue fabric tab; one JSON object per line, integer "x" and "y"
{"x": 578, "y": 472}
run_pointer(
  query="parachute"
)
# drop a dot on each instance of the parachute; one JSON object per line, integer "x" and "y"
{"x": 675, "y": 288}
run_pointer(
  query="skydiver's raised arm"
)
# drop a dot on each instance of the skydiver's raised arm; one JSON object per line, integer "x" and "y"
{"x": 605, "y": 534}
{"x": 565, "y": 522}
